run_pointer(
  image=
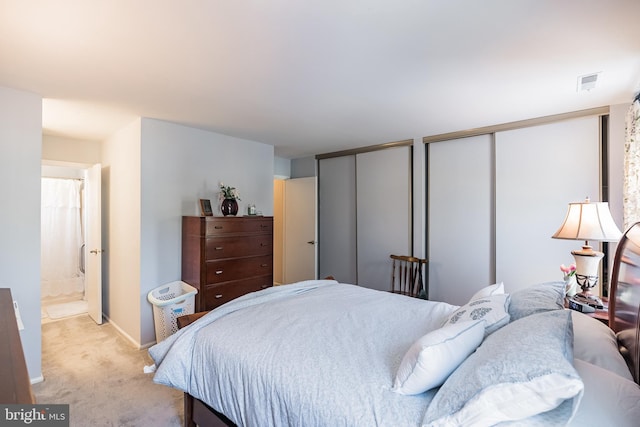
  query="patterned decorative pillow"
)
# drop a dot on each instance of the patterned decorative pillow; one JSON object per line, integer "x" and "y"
{"x": 492, "y": 310}
{"x": 537, "y": 299}
{"x": 521, "y": 371}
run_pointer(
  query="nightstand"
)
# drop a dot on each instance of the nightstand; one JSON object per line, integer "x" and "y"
{"x": 600, "y": 314}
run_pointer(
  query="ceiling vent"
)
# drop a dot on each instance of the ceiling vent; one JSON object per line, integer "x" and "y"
{"x": 587, "y": 82}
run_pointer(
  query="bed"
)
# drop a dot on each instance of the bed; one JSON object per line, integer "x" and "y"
{"x": 323, "y": 353}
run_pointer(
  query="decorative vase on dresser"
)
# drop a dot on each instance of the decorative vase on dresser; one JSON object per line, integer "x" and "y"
{"x": 229, "y": 207}
{"x": 226, "y": 257}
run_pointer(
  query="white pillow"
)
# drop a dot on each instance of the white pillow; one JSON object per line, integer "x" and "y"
{"x": 432, "y": 358}
{"x": 492, "y": 310}
{"x": 497, "y": 289}
{"x": 614, "y": 399}
{"x": 593, "y": 342}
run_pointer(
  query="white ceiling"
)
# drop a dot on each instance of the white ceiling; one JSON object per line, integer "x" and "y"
{"x": 316, "y": 76}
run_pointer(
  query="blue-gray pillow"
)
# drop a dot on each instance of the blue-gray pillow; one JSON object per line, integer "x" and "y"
{"x": 536, "y": 299}
{"x": 520, "y": 371}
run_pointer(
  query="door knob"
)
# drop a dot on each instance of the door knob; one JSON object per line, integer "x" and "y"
{"x": 311, "y": 242}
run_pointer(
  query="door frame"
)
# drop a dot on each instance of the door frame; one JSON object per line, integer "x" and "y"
{"x": 81, "y": 169}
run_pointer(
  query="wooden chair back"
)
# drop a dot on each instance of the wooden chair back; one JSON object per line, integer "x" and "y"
{"x": 407, "y": 277}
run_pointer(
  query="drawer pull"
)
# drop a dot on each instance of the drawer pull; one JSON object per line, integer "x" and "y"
{"x": 217, "y": 227}
{"x": 218, "y": 248}
{"x": 218, "y": 296}
{"x": 264, "y": 244}
{"x": 264, "y": 265}
{"x": 219, "y": 272}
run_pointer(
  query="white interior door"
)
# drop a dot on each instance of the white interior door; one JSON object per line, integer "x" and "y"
{"x": 300, "y": 229}
{"x": 93, "y": 248}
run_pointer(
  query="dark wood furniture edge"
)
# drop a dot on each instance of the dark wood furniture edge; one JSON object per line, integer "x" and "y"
{"x": 188, "y": 319}
{"x": 633, "y": 294}
{"x": 15, "y": 385}
{"x": 201, "y": 414}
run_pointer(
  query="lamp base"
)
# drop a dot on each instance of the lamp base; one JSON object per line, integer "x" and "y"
{"x": 587, "y": 262}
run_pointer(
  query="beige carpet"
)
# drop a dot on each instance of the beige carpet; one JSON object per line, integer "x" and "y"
{"x": 99, "y": 374}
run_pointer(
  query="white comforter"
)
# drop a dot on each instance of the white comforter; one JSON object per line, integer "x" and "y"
{"x": 315, "y": 353}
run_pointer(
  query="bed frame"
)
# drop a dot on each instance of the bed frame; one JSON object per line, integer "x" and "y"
{"x": 624, "y": 302}
{"x": 198, "y": 413}
{"x": 624, "y": 319}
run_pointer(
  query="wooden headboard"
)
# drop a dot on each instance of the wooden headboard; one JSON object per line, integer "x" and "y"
{"x": 624, "y": 301}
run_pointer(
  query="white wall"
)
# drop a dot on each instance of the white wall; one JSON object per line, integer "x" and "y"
{"x": 64, "y": 149}
{"x": 20, "y": 153}
{"x": 121, "y": 192}
{"x": 304, "y": 167}
{"x": 181, "y": 165}
{"x": 281, "y": 168}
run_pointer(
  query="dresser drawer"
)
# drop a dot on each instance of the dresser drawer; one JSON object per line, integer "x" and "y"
{"x": 216, "y": 295}
{"x": 240, "y": 268}
{"x": 222, "y": 226}
{"x": 232, "y": 247}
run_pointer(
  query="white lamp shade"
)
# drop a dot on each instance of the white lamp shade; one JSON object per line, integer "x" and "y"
{"x": 588, "y": 221}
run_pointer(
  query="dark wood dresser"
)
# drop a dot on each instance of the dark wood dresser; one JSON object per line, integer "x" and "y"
{"x": 15, "y": 385}
{"x": 226, "y": 257}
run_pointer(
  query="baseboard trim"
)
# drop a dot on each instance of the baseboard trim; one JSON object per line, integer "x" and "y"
{"x": 37, "y": 379}
{"x": 147, "y": 345}
{"x": 122, "y": 332}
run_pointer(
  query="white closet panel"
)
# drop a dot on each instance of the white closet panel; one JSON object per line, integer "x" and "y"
{"x": 337, "y": 255}
{"x": 460, "y": 218}
{"x": 384, "y": 213}
{"x": 539, "y": 170}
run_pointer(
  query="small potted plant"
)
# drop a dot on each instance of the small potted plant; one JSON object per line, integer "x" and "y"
{"x": 570, "y": 279}
{"x": 228, "y": 200}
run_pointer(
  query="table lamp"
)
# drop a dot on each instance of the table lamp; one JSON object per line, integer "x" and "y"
{"x": 588, "y": 221}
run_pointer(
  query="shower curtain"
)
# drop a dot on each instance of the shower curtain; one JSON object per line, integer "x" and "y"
{"x": 61, "y": 237}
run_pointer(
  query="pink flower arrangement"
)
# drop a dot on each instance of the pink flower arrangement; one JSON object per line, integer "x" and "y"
{"x": 568, "y": 271}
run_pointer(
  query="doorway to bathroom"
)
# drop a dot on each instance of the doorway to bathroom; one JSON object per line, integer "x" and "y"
{"x": 70, "y": 242}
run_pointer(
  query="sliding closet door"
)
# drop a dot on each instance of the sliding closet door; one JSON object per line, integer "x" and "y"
{"x": 337, "y": 218}
{"x": 384, "y": 213}
{"x": 460, "y": 217}
{"x": 539, "y": 170}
